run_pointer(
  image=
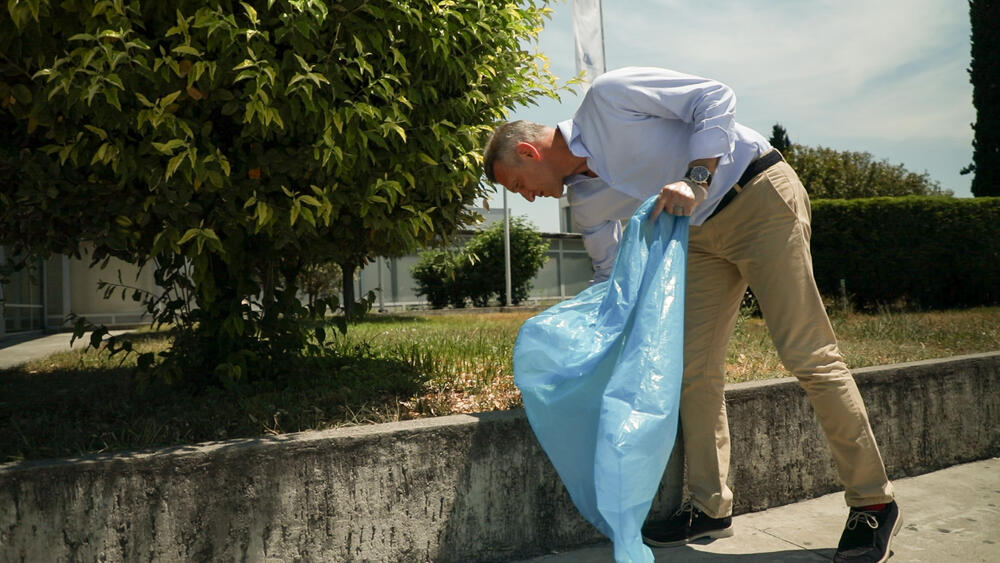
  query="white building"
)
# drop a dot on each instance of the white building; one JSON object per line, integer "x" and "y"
{"x": 41, "y": 297}
{"x": 567, "y": 272}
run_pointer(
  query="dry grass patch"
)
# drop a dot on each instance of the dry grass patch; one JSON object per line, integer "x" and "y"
{"x": 386, "y": 368}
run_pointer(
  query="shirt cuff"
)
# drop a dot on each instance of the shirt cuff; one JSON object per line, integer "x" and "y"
{"x": 713, "y": 142}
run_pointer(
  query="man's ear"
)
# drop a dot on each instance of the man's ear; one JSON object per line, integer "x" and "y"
{"x": 527, "y": 150}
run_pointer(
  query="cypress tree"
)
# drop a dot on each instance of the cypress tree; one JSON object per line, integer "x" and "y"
{"x": 984, "y": 73}
{"x": 779, "y": 138}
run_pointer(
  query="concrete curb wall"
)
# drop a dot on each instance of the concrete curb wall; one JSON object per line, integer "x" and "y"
{"x": 450, "y": 489}
{"x": 926, "y": 416}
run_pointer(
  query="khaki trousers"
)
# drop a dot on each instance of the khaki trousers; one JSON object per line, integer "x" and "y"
{"x": 762, "y": 239}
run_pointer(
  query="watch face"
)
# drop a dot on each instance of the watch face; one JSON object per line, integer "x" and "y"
{"x": 699, "y": 174}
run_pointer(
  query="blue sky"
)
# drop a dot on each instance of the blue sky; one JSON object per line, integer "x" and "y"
{"x": 887, "y": 77}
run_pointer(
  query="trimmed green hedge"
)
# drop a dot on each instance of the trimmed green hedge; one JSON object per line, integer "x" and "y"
{"x": 929, "y": 252}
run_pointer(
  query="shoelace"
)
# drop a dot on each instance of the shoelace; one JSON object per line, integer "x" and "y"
{"x": 866, "y": 517}
{"x": 686, "y": 506}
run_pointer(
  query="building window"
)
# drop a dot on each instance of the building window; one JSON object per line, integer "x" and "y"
{"x": 23, "y": 308}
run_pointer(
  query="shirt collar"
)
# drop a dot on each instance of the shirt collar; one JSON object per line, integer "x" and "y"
{"x": 571, "y": 134}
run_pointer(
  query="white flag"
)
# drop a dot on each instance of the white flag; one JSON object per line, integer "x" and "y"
{"x": 589, "y": 32}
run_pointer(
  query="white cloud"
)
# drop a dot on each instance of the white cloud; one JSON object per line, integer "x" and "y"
{"x": 851, "y": 63}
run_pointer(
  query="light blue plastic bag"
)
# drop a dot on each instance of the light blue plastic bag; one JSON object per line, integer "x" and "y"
{"x": 600, "y": 375}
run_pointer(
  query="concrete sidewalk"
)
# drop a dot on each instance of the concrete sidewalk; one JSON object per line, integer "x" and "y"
{"x": 17, "y": 349}
{"x": 948, "y": 515}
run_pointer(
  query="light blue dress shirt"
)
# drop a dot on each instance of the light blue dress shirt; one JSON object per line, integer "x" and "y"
{"x": 639, "y": 128}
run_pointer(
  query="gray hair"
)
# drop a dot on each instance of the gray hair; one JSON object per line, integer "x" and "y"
{"x": 501, "y": 144}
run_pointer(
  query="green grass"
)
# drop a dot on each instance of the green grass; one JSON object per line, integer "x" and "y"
{"x": 871, "y": 340}
{"x": 386, "y": 368}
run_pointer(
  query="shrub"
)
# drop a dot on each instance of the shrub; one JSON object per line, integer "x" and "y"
{"x": 930, "y": 252}
{"x": 232, "y": 145}
{"x": 485, "y": 273}
{"x": 477, "y": 272}
{"x": 435, "y": 274}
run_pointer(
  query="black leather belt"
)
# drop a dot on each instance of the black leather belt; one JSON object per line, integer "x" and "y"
{"x": 766, "y": 161}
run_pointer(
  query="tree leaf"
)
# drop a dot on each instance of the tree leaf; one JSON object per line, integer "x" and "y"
{"x": 188, "y": 235}
{"x": 169, "y": 98}
{"x": 186, "y": 50}
{"x": 169, "y": 146}
{"x": 250, "y": 12}
{"x": 101, "y": 133}
{"x": 21, "y": 93}
{"x": 174, "y": 163}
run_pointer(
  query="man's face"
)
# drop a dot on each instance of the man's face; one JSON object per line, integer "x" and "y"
{"x": 532, "y": 178}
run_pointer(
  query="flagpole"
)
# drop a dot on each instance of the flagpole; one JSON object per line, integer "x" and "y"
{"x": 506, "y": 246}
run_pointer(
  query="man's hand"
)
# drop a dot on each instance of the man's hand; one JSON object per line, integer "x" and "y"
{"x": 678, "y": 198}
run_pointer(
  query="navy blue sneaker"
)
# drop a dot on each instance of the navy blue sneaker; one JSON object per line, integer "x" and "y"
{"x": 867, "y": 537}
{"x": 686, "y": 525}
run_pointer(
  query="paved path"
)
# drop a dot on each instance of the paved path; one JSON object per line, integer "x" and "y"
{"x": 948, "y": 515}
{"x": 16, "y": 349}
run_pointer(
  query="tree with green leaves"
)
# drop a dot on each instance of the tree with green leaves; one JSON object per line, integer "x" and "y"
{"x": 984, "y": 72}
{"x": 477, "y": 272}
{"x": 319, "y": 281}
{"x": 231, "y": 146}
{"x": 829, "y": 173}
{"x": 484, "y": 274}
{"x": 437, "y": 277}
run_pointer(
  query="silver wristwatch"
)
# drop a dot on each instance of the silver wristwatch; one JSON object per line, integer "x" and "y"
{"x": 699, "y": 175}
